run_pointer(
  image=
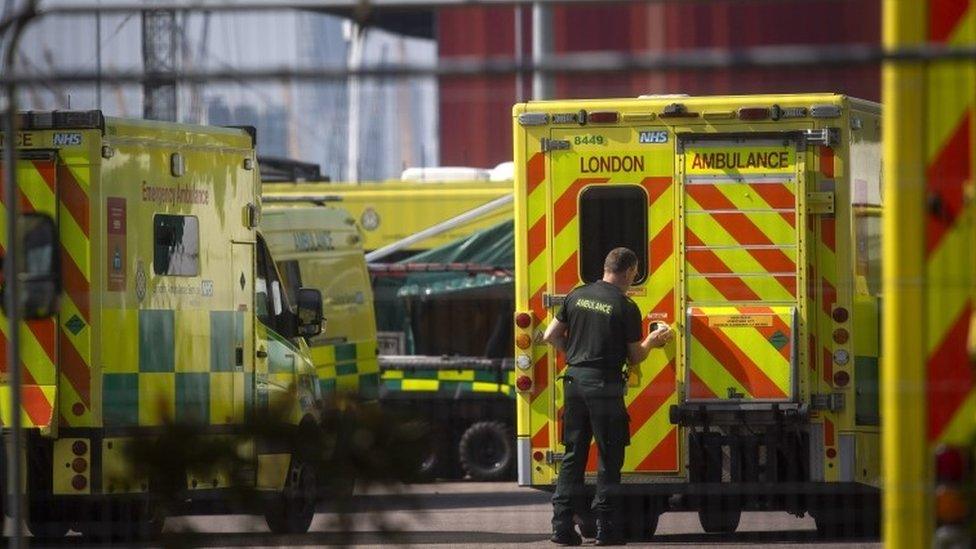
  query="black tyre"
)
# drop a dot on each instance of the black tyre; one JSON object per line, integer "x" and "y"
{"x": 435, "y": 462}
{"x": 719, "y": 517}
{"x": 291, "y": 512}
{"x": 487, "y": 451}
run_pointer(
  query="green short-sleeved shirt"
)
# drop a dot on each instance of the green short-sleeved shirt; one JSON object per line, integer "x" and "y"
{"x": 602, "y": 320}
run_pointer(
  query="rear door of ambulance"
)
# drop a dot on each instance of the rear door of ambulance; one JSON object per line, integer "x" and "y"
{"x": 37, "y": 180}
{"x": 740, "y": 267}
{"x": 606, "y": 186}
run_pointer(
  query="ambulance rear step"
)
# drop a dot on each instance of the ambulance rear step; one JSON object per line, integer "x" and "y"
{"x": 732, "y": 413}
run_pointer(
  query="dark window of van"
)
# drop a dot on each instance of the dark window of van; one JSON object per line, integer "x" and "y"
{"x": 176, "y": 241}
{"x": 292, "y": 275}
{"x": 611, "y": 216}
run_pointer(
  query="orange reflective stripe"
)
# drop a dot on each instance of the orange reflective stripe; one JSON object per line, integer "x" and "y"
{"x": 655, "y": 187}
{"x": 826, "y": 161}
{"x": 73, "y": 197}
{"x": 535, "y": 172}
{"x": 536, "y": 240}
{"x": 660, "y": 248}
{"x": 664, "y": 457}
{"x": 946, "y": 177}
{"x": 697, "y": 388}
{"x": 47, "y": 171}
{"x": 567, "y": 275}
{"x": 76, "y": 285}
{"x": 75, "y": 369}
{"x": 650, "y": 400}
{"x": 777, "y": 195}
{"x": 541, "y": 438}
{"x": 564, "y": 208}
{"x": 36, "y": 404}
{"x": 950, "y": 375}
{"x": 944, "y": 17}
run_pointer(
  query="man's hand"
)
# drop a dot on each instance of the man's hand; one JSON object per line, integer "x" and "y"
{"x": 661, "y": 335}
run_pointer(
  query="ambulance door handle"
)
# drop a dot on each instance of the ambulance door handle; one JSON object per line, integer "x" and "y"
{"x": 239, "y": 356}
{"x": 261, "y": 353}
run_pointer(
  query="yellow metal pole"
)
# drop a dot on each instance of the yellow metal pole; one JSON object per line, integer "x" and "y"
{"x": 907, "y": 520}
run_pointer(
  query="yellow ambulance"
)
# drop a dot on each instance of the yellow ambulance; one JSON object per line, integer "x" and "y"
{"x": 172, "y": 311}
{"x": 756, "y": 223}
{"x": 391, "y": 211}
{"x": 321, "y": 247}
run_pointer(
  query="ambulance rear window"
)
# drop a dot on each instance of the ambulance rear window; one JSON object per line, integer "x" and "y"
{"x": 612, "y": 216}
{"x": 176, "y": 240}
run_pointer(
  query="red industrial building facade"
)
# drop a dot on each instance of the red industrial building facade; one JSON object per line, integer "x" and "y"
{"x": 475, "y": 112}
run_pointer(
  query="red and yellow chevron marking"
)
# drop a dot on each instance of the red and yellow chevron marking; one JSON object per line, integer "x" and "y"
{"x": 742, "y": 350}
{"x": 949, "y": 238}
{"x": 38, "y": 359}
{"x": 538, "y": 269}
{"x": 740, "y": 241}
{"x": 56, "y": 359}
{"x": 74, "y": 224}
{"x": 653, "y": 439}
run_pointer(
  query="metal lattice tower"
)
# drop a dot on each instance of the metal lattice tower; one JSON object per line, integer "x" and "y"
{"x": 160, "y": 43}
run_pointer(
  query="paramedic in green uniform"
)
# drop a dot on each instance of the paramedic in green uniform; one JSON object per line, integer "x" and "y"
{"x": 599, "y": 328}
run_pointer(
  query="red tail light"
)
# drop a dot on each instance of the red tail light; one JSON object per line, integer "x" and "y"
{"x": 831, "y": 453}
{"x": 951, "y": 464}
{"x": 523, "y": 383}
{"x": 841, "y": 379}
{"x": 753, "y": 113}
{"x": 523, "y": 320}
{"x": 79, "y": 465}
{"x": 605, "y": 117}
{"x": 841, "y": 336}
{"x": 538, "y": 456}
{"x": 79, "y": 447}
{"x": 840, "y": 314}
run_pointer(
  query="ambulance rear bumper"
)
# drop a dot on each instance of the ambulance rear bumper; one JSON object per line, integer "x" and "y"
{"x": 696, "y": 414}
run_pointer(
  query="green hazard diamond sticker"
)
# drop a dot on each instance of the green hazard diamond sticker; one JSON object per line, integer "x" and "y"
{"x": 75, "y": 324}
{"x": 779, "y": 340}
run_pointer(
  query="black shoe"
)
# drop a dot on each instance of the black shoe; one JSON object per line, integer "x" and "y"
{"x": 587, "y": 525}
{"x": 566, "y": 537}
{"x": 609, "y": 534}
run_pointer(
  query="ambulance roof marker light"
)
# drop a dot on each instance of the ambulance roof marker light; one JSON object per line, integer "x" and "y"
{"x": 825, "y": 111}
{"x": 677, "y": 110}
{"x": 603, "y": 117}
{"x": 533, "y": 119}
{"x": 753, "y": 113}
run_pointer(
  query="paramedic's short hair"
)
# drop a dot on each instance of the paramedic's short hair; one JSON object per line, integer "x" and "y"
{"x": 619, "y": 260}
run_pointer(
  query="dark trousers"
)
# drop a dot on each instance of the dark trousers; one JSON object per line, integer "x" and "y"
{"x": 593, "y": 405}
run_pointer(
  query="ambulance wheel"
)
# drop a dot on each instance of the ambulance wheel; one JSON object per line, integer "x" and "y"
{"x": 487, "y": 451}
{"x": 434, "y": 462}
{"x": 720, "y": 516}
{"x": 291, "y": 512}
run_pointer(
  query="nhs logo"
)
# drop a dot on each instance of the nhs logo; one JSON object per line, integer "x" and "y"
{"x": 653, "y": 137}
{"x": 63, "y": 139}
